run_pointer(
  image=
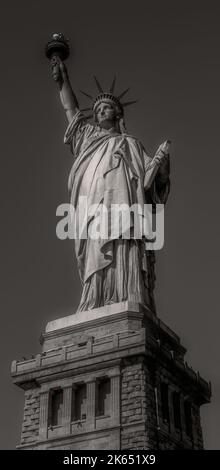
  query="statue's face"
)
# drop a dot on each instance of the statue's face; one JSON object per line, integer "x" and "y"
{"x": 106, "y": 113}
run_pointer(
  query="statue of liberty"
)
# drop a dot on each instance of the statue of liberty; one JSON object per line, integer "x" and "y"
{"x": 111, "y": 166}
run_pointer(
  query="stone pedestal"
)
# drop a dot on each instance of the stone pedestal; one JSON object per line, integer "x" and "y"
{"x": 110, "y": 378}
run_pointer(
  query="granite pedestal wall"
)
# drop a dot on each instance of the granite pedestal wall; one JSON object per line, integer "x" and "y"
{"x": 110, "y": 378}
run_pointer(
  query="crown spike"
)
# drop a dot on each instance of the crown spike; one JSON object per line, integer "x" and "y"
{"x": 112, "y": 87}
{"x": 128, "y": 103}
{"x": 123, "y": 94}
{"x": 86, "y": 94}
{"x": 98, "y": 85}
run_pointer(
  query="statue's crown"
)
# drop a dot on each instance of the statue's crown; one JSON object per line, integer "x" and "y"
{"x": 108, "y": 97}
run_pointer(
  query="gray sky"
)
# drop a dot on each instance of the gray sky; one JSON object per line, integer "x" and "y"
{"x": 168, "y": 53}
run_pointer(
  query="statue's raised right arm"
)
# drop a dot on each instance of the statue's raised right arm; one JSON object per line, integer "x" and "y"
{"x": 67, "y": 96}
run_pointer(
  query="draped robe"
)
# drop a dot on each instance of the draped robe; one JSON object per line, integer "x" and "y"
{"x": 111, "y": 168}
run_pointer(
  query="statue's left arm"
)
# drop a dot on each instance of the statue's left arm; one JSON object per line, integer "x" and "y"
{"x": 157, "y": 175}
{"x": 162, "y": 180}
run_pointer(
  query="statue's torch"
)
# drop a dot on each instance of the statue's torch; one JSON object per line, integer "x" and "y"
{"x": 57, "y": 47}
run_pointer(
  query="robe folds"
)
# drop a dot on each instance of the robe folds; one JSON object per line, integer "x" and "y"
{"x": 111, "y": 168}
